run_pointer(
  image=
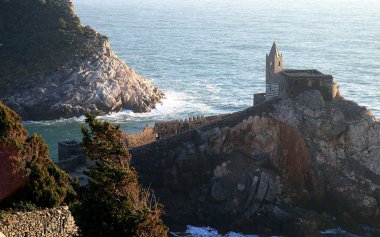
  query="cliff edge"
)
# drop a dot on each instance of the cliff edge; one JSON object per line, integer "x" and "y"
{"x": 56, "y": 68}
{"x": 293, "y": 166}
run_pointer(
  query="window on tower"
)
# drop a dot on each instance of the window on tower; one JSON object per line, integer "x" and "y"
{"x": 279, "y": 63}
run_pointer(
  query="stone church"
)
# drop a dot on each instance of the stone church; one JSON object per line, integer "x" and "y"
{"x": 288, "y": 83}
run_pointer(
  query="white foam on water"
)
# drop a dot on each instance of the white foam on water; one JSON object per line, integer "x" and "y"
{"x": 172, "y": 104}
{"x": 193, "y": 231}
{"x": 57, "y": 121}
{"x": 175, "y": 104}
{"x": 337, "y": 232}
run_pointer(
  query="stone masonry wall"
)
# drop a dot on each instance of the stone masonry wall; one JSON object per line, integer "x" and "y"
{"x": 48, "y": 223}
{"x": 70, "y": 156}
{"x": 168, "y": 128}
{"x": 141, "y": 138}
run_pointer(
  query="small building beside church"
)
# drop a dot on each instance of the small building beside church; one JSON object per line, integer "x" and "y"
{"x": 288, "y": 83}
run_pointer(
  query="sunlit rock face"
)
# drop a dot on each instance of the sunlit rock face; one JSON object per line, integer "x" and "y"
{"x": 284, "y": 166}
{"x": 99, "y": 84}
{"x": 57, "y": 68}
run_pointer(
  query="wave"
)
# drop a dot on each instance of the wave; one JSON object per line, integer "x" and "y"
{"x": 171, "y": 105}
{"x": 175, "y": 105}
{"x": 193, "y": 231}
{"x": 56, "y": 121}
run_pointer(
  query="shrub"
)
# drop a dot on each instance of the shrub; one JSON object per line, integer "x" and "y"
{"x": 46, "y": 185}
{"x": 113, "y": 203}
{"x": 11, "y": 129}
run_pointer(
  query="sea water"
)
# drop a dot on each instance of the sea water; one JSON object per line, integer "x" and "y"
{"x": 208, "y": 56}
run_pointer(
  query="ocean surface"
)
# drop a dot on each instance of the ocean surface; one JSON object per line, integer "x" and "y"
{"x": 208, "y": 56}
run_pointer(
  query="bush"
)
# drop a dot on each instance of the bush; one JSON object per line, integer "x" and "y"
{"x": 46, "y": 184}
{"x": 11, "y": 129}
{"x": 113, "y": 203}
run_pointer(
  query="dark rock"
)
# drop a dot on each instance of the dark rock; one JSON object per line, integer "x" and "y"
{"x": 322, "y": 157}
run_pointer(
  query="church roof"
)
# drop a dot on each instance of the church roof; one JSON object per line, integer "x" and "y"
{"x": 307, "y": 73}
{"x": 274, "y": 50}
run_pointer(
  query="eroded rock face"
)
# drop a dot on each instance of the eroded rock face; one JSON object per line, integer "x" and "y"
{"x": 54, "y": 67}
{"x": 273, "y": 169}
{"x": 99, "y": 84}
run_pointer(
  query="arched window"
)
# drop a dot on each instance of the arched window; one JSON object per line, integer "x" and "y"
{"x": 279, "y": 63}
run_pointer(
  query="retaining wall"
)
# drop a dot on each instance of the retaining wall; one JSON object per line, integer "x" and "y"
{"x": 48, "y": 223}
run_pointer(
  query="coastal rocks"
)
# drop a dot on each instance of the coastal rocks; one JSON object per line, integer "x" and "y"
{"x": 58, "y": 68}
{"x": 99, "y": 84}
{"x": 281, "y": 167}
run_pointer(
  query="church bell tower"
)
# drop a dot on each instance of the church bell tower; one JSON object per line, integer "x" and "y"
{"x": 273, "y": 68}
{"x": 273, "y": 65}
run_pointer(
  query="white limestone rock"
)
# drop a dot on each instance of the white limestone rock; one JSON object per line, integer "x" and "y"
{"x": 99, "y": 84}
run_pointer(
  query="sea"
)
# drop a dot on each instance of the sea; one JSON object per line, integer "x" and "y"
{"x": 208, "y": 56}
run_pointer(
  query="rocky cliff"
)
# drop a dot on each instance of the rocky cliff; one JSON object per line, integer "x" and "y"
{"x": 291, "y": 167}
{"x": 55, "y": 67}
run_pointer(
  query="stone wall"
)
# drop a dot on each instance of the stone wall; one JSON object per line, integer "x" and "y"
{"x": 291, "y": 87}
{"x": 258, "y": 98}
{"x": 70, "y": 156}
{"x": 48, "y": 223}
{"x": 142, "y": 138}
{"x": 168, "y": 128}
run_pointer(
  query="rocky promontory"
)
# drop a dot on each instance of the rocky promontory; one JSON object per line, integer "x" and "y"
{"x": 292, "y": 167}
{"x": 57, "y": 68}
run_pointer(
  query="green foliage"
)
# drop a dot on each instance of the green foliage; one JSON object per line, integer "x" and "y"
{"x": 11, "y": 129}
{"x": 47, "y": 185}
{"x": 105, "y": 141}
{"x": 39, "y": 36}
{"x": 18, "y": 207}
{"x": 23, "y": 207}
{"x": 3, "y": 214}
{"x": 113, "y": 203}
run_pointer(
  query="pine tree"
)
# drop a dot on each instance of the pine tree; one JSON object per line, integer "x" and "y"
{"x": 27, "y": 173}
{"x": 113, "y": 203}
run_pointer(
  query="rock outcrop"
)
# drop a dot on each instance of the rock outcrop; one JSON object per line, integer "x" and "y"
{"x": 77, "y": 71}
{"x": 293, "y": 167}
{"x": 99, "y": 84}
